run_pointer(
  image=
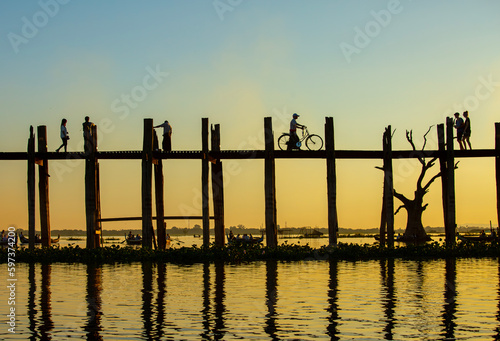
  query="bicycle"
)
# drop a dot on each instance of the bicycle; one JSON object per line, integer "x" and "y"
{"x": 312, "y": 141}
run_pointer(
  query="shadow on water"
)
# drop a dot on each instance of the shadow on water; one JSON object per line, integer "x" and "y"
{"x": 450, "y": 300}
{"x": 94, "y": 302}
{"x": 497, "y": 330}
{"x": 220, "y": 295}
{"x": 271, "y": 298}
{"x": 333, "y": 307}
{"x": 387, "y": 275}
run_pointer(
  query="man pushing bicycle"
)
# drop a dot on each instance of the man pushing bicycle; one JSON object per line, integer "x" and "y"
{"x": 294, "y": 138}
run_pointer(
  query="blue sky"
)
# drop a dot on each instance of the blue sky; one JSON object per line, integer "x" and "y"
{"x": 236, "y": 62}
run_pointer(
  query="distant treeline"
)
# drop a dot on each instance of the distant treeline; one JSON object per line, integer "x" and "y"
{"x": 240, "y": 229}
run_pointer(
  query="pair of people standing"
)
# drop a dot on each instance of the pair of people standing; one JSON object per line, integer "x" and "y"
{"x": 463, "y": 130}
{"x": 64, "y": 132}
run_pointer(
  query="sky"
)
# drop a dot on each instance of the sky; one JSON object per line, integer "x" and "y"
{"x": 367, "y": 64}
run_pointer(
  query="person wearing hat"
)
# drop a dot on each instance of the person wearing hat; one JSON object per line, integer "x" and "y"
{"x": 294, "y": 138}
{"x": 167, "y": 135}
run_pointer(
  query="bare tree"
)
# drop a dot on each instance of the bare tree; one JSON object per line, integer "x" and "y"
{"x": 415, "y": 207}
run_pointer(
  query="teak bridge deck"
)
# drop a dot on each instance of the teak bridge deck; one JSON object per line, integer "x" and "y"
{"x": 152, "y": 164}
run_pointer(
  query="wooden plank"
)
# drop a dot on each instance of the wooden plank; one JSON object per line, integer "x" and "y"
{"x": 389, "y": 187}
{"x": 450, "y": 188}
{"x": 147, "y": 183}
{"x": 43, "y": 188}
{"x": 159, "y": 196}
{"x": 217, "y": 189}
{"x": 270, "y": 185}
{"x": 331, "y": 179}
{"x": 174, "y": 217}
{"x": 31, "y": 189}
{"x": 204, "y": 182}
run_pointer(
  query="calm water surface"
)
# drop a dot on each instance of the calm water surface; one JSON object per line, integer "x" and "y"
{"x": 339, "y": 300}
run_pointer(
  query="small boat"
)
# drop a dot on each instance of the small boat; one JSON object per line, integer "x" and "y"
{"x": 7, "y": 242}
{"x": 38, "y": 240}
{"x": 133, "y": 240}
{"x": 481, "y": 238}
{"x": 244, "y": 240}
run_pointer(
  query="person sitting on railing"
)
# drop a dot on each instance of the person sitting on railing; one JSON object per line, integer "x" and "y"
{"x": 294, "y": 138}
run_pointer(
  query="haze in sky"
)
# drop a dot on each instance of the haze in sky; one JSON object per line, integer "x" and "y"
{"x": 368, "y": 64}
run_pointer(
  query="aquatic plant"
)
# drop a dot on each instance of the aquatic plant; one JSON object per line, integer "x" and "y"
{"x": 284, "y": 252}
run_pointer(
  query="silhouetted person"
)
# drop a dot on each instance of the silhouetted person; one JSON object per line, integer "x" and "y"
{"x": 167, "y": 136}
{"x": 64, "y": 136}
{"x": 459, "y": 126}
{"x": 87, "y": 132}
{"x": 466, "y": 135}
{"x": 294, "y": 138}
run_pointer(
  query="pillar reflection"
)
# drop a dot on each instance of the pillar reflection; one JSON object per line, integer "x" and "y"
{"x": 45, "y": 303}
{"x": 219, "y": 299}
{"x": 271, "y": 298}
{"x": 94, "y": 302}
{"x": 387, "y": 275}
{"x": 333, "y": 307}
{"x": 147, "y": 299}
{"x": 450, "y": 303}
{"x": 32, "y": 302}
{"x": 160, "y": 299}
{"x": 205, "y": 312}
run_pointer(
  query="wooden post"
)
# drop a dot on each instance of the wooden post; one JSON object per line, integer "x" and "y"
{"x": 147, "y": 183}
{"x": 389, "y": 186}
{"x": 159, "y": 195}
{"x": 204, "y": 182}
{"x": 43, "y": 186}
{"x": 270, "y": 184}
{"x": 31, "y": 189}
{"x": 450, "y": 188}
{"x": 331, "y": 179}
{"x": 217, "y": 189}
{"x": 92, "y": 204}
{"x": 98, "y": 225}
{"x": 497, "y": 168}
{"x": 444, "y": 171}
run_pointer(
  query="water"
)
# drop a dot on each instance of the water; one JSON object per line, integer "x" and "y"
{"x": 339, "y": 300}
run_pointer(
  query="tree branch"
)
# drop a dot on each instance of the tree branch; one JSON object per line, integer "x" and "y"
{"x": 400, "y": 207}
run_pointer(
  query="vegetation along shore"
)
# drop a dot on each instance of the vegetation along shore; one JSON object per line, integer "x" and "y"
{"x": 284, "y": 252}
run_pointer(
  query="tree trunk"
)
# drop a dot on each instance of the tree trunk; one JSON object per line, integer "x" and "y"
{"x": 414, "y": 229}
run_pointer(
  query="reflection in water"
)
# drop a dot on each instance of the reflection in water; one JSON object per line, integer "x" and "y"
{"x": 147, "y": 298}
{"x": 497, "y": 336}
{"x": 220, "y": 308}
{"x": 205, "y": 313}
{"x": 160, "y": 299}
{"x": 387, "y": 274}
{"x": 450, "y": 303}
{"x": 271, "y": 298}
{"x": 32, "y": 303}
{"x": 45, "y": 304}
{"x": 94, "y": 302}
{"x": 333, "y": 307}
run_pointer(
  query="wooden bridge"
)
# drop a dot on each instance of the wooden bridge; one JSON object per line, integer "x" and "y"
{"x": 152, "y": 158}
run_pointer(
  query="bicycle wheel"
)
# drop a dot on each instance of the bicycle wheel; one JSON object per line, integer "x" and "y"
{"x": 283, "y": 141}
{"x": 314, "y": 142}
